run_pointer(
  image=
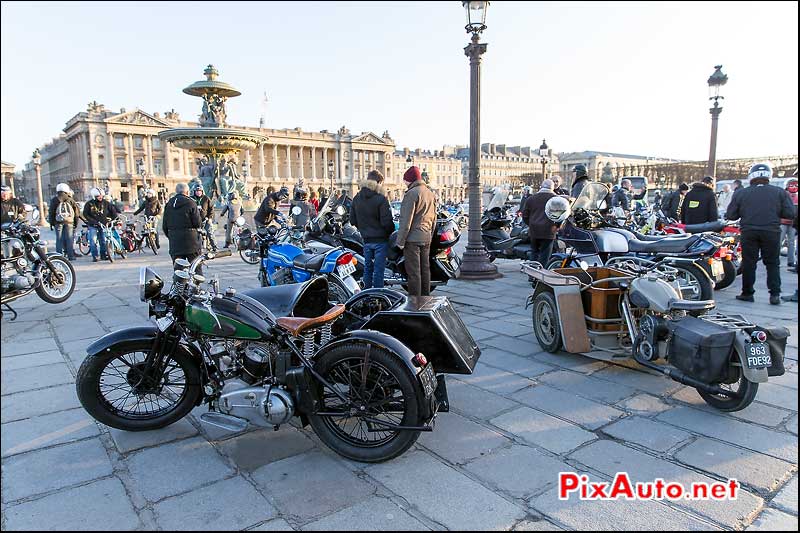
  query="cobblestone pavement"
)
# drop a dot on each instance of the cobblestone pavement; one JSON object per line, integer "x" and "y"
{"x": 521, "y": 418}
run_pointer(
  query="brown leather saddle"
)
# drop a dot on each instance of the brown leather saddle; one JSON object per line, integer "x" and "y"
{"x": 296, "y": 325}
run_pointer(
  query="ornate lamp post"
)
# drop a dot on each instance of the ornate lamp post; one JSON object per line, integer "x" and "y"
{"x": 37, "y": 164}
{"x": 717, "y": 80}
{"x": 330, "y": 176}
{"x": 544, "y": 155}
{"x": 475, "y": 264}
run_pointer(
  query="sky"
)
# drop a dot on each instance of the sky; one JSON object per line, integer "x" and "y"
{"x": 624, "y": 77}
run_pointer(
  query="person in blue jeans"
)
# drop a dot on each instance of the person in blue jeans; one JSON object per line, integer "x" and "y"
{"x": 97, "y": 212}
{"x": 370, "y": 213}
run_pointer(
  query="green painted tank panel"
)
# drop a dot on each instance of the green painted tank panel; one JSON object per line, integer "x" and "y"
{"x": 199, "y": 319}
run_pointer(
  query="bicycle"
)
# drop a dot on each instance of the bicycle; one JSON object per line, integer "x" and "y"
{"x": 205, "y": 239}
{"x": 82, "y": 241}
{"x": 148, "y": 234}
{"x": 113, "y": 240}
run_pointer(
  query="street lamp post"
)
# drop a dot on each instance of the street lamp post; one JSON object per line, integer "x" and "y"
{"x": 717, "y": 80}
{"x": 544, "y": 154}
{"x": 330, "y": 176}
{"x": 475, "y": 264}
{"x": 37, "y": 164}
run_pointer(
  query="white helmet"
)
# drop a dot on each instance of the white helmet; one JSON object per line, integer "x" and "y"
{"x": 149, "y": 192}
{"x": 557, "y": 209}
{"x": 63, "y": 187}
{"x": 95, "y": 192}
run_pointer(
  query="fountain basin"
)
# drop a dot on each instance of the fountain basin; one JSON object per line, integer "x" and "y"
{"x": 212, "y": 140}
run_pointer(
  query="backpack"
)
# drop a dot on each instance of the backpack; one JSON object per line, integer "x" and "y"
{"x": 64, "y": 213}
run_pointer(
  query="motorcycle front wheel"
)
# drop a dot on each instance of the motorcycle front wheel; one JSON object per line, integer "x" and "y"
{"x": 730, "y": 275}
{"x": 113, "y": 389}
{"x": 381, "y": 390}
{"x": 57, "y": 285}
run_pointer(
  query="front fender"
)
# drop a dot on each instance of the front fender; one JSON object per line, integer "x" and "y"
{"x": 121, "y": 338}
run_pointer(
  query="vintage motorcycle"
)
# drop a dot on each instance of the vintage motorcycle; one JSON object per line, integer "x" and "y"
{"x": 368, "y": 374}
{"x": 637, "y": 310}
{"x": 27, "y": 267}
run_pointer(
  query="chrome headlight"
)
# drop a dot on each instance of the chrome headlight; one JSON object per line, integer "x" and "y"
{"x": 150, "y": 284}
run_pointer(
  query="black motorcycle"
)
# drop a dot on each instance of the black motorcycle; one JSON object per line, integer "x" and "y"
{"x": 503, "y": 236}
{"x": 27, "y": 267}
{"x": 368, "y": 375}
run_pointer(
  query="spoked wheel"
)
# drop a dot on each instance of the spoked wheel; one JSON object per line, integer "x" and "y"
{"x": 744, "y": 388}
{"x": 337, "y": 294}
{"x": 83, "y": 246}
{"x": 250, "y": 256}
{"x": 58, "y": 284}
{"x": 115, "y": 390}
{"x": 546, "y": 325}
{"x": 379, "y": 392}
{"x": 694, "y": 283}
{"x": 110, "y": 250}
{"x": 151, "y": 242}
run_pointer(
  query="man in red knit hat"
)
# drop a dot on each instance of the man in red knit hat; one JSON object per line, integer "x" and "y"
{"x": 414, "y": 235}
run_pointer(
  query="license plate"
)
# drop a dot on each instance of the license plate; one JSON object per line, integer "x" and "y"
{"x": 345, "y": 270}
{"x": 758, "y": 355}
{"x": 428, "y": 380}
{"x": 717, "y": 270}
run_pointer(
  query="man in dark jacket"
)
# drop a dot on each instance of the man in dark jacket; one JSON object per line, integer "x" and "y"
{"x": 541, "y": 229}
{"x": 181, "y": 222}
{"x": 579, "y": 180}
{"x": 621, "y": 197}
{"x": 63, "y": 217}
{"x": 98, "y": 212}
{"x": 672, "y": 203}
{"x": 371, "y": 214}
{"x": 12, "y": 208}
{"x": 152, "y": 208}
{"x": 700, "y": 203}
{"x": 206, "y": 210}
{"x": 760, "y": 208}
{"x": 557, "y": 188}
{"x": 268, "y": 209}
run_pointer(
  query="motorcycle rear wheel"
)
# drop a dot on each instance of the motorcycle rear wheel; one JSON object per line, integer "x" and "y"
{"x": 695, "y": 284}
{"x": 730, "y": 275}
{"x": 52, "y": 290}
{"x": 393, "y": 397}
{"x": 250, "y": 256}
{"x": 747, "y": 391}
{"x": 546, "y": 324}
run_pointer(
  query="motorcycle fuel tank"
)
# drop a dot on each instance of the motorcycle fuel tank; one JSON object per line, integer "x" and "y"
{"x": 610, "y": 242}
{"x": 234, "y": 317}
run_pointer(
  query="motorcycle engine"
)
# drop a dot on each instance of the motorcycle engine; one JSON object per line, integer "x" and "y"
{"x": 266, "y": 405}
{"x": 653, "y": 337}
{"x": 15, "y": 275}
{"x": 249, "y": 361}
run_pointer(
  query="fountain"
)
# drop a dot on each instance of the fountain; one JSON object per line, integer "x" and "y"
{"x": 213, "y": 140}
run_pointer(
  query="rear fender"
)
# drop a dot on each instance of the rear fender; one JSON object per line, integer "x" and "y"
{"x": 756, "y": 375}
{"x": 687, "y": 261}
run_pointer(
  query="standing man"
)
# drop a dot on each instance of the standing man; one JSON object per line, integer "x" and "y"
{"x": 415, "y": 233}
{"x": 787, "y": 225}
{"x": 63, "y": 217}
{"x": 206, "y": 210}
{"x": 13, "y": 208}
{"x": 557, "y": 188}
{"x": 724, "y": 199}
{"x": 673, "y": 202}
{"x": 371, "y": 214}
{"x": 760, "y": 207}
{"x": 152, "y": 208}
{"x": 233, "y": 209}
{"x": 268, "y": 209}
{"x": 737, "y": 184}
{"x": 181, "y": 222}
{"x": 541, "y": 229}
{"x": 621, "y": 197}
{"x": 579, "y": 180}
{"x": 700, "y": 203}
{"x": 526, "y": 193}
{"x": 97, "y": 212}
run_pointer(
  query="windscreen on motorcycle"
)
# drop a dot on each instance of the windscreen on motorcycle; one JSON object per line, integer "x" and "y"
{"x": 592, "y": 197}
{"x": 498, "y": 199}
{"x": 330, "y": 206}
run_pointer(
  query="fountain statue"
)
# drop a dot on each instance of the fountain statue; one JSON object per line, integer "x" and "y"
{"x": 213, "y": 140}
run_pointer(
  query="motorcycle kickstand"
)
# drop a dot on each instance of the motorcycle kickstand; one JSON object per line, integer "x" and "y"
{"x": 12, "y": 312}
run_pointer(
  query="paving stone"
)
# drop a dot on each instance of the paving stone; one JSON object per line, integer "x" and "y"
{"x": 127, "y": 441}
{"x": 652, "y": 435}
{"x": 791, "y": 425}
{"x": 311, "y": 485}
{"x": 543, "y": 430}
{"x": 11, "y": 348}
{"x": 76, "y": 350}
{"x": 99, "y": 506}
{"x": 253, "y": 450}
{"x": 231, "y": 504}
{"x": 39, "y": 377}
{"x": 374, "y": 514}
{"x": 40, "y": 402}
{"x": 506, "y": 328}
{"x": 652, "y": 384}
{"x": 621, "y": 515}
{"x": 611, "y": 458}
{"x": 519, "y": 471}
{"x": 279, "y": 524}
{"x": 480, "y": 334}
{"x": 760, "y": 471}
{"x": 586, "y": 386}
{"x": 454, "y": 507}
{"x": 780, "y": 445}
{"x": 788, "y": 380}
{"x": 774, "y": 520}
{"x": 47, "y": 430}
{"x": 495, "y": 380}
{"x": 69, "y": 329}
{"x": 757, "y": 412}
{"x": 576, "y": 362}
{"x": 786, "y": 498}
{"x": 458, "y": 440}
{"x": 173, "y": 468}
{"x": 567, "y": 405}
{"x": 54, "y": 468}
{"x": 536, "y": 525}
{"x": 644, "y": 404}
{"x": 31, "y": 360}
{"x": 514, "y": 346}
{"x": 525, "y": 366}
{"x": 776, "y": 395}
{"x": 475, "y": 402}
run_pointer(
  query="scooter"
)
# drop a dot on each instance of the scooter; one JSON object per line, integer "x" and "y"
{"x": 504, "y": 236}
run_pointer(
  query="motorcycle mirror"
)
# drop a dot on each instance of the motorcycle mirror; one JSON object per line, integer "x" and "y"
{"x": 296, "y": 210}
{"x": 240, "y": 221}
{"x": 584, "y": 266}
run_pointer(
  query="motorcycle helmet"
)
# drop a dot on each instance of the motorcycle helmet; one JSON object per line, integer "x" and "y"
{"x": 760, "y": 170}
{"x": 95, "y": 192}
{"x": 580, "y": 170}
{"x": 283, "y": 193}
{"x": 300, "y": 194}
{"x": 63, "y": 187}
{"x": 198, "y": 187}
{"x": 557, "y": 209}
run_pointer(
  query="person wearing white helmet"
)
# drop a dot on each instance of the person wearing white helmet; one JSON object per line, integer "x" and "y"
{"x": 63, "y": 217}
{"x": 97, "y": 212}
{"x": 541, "y": 230}
{"x": 152, "y": 208}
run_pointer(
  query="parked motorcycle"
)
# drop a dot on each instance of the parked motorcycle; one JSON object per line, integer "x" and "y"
{"x": 730, "y": 255}
{"x": 363, "y": 373}
{"x": 27, "y": 267}
{"x": 504, "y": 236}
{"x": 638, "y": 310}
{"x": 113, "y": 239}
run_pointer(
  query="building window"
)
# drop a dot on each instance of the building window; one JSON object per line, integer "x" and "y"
{"x": 156, "y": 143}
{"x": 119, "y": 141}
{"x": 158, "y": 167}
{"x": 137, "y": 142}
{"x": 121, "y": 167}
{"x": 101, "y": 163}
{"x": 176, "y": 164}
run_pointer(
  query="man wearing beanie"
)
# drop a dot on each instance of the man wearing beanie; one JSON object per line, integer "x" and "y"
{"x": 541, "y": 229}
{"x": 371, "y": 214}
{"x": 414, "y": 236}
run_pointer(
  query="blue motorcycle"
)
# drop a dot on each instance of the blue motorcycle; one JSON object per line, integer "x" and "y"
{"x": 285, "y": 262}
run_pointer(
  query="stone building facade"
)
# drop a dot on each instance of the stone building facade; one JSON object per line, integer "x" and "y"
{"x": 609, "y": 167}
{"x": 507, "y": 165}
{"x": 7, "y": 174}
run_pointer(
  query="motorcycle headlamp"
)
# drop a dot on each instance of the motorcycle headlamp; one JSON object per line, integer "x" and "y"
{"x": 150, "y": 284}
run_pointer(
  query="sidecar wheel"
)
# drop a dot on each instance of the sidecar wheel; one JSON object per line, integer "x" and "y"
{"x": 747, "y": 391}
{"x": 389, "y": 393}
{"x": 546, "y": 324}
